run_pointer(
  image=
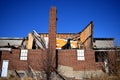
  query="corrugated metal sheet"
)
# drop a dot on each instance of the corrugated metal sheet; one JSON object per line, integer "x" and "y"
{"x": 11, "y": 41}
{"x": 103, "y": 43}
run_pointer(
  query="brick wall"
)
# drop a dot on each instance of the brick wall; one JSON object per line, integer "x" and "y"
{"x": 69, "y": 58}
{"x": 59, "y": 35}
{"x": 64, "y": 35}
{"x": 35, "y": 58}
{"x": 14, "y": 60}
{"x": 52, "y": 37}
{"x": 112, "y": 61}
{"x": 52, "y": 30}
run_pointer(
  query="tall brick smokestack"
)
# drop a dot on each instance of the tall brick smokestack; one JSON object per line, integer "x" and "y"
{"x": 52, "y": 35}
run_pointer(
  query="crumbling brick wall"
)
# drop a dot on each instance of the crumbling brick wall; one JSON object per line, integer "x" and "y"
{"x": 69, "y": 58}
{"x": 14, "y": 60}
{"x": 34, "y": 59}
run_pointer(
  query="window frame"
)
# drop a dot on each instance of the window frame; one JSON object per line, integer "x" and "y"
{"x": 23, "y": 54}
{"x": 80, "y": 55}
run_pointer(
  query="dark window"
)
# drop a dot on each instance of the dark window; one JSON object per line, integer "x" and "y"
{"x": 21, "y": 74}
{"x": 34, "y": 45}
{"x": 67, "y": 45}
{"x": 100, "y": 56}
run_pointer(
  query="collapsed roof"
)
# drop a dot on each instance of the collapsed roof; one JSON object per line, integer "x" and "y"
{"x": 83, "y": 39}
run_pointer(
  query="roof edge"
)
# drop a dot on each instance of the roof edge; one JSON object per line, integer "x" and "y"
{"x": 103, "y": 38}
{"x": 12, "y": 38}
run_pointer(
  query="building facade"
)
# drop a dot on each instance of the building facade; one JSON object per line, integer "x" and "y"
{"x": 72, "y": 55}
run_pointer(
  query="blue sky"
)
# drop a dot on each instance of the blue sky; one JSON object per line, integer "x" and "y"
{"x": 19, "y": 17}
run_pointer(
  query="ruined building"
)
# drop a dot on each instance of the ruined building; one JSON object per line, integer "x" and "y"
{"x": 72, "y": 55}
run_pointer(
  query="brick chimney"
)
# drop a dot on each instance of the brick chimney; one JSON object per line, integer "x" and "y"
{"x": 52, "y": 35}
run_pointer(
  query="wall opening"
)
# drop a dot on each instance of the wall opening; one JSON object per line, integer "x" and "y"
{"x": 100, "y": 56}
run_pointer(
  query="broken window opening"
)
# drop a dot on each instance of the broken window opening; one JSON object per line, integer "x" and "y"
{"x": 67, "y": 45}
{"x": 21, "y": 74}
{"x": 34, "y": 45}
{"x": 100, "y": 56}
